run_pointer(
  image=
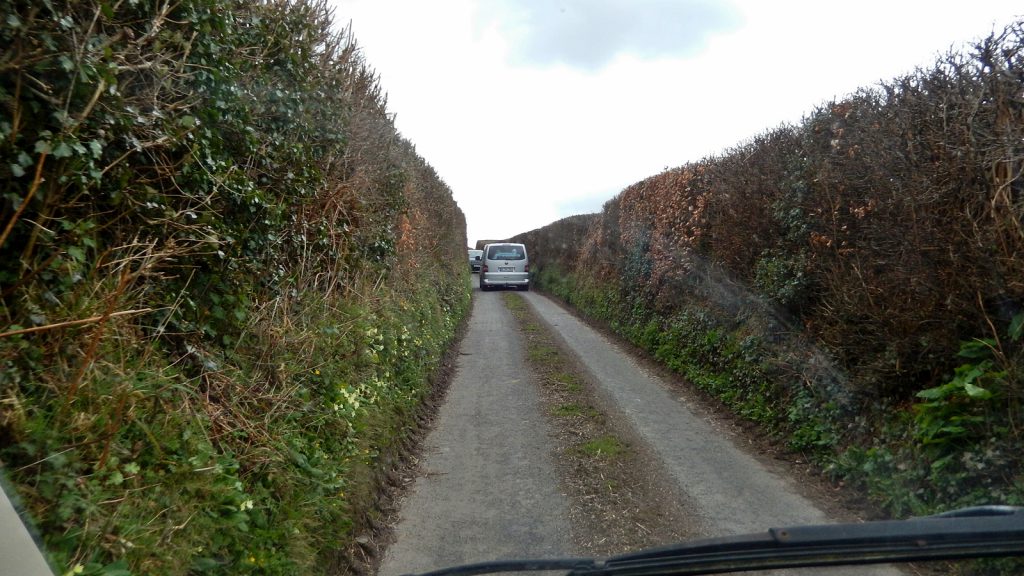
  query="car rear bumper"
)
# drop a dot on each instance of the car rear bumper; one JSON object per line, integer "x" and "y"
{"x": 491, "y": 280}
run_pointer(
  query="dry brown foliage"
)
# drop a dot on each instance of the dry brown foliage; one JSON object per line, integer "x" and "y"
{"x": 889, "y": 226}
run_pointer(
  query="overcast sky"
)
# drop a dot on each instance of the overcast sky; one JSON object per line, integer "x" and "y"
{"x": 533, "y": 110}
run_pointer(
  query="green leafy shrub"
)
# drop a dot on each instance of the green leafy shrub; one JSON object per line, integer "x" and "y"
{"x": 959, "y": 410}
{"x": 783, "y": 278}
{"x": 957, "y": 447}
{"x": 226, "y": 283}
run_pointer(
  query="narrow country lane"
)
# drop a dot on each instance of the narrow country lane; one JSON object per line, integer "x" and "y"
{"x": 487, "y": 487}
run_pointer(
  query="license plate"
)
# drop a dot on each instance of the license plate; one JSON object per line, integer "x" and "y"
{"x": 506, "y": 269}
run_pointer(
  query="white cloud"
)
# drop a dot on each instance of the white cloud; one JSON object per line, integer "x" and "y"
{"x": 589, "y": 34}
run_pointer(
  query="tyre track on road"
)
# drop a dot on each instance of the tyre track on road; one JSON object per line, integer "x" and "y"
{"x": 486, "y": 488}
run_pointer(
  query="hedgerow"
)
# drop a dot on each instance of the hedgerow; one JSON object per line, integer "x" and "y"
{"x": 854, "y": 283}
{"x": 226, "y": 281}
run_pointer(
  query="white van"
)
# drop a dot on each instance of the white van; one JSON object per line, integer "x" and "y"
{"x": 505, "y": 265}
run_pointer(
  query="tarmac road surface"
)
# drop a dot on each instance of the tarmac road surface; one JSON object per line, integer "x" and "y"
{"x": 487, "y": 488}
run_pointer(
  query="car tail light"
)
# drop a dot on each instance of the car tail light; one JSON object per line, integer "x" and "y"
{"x": 526, "y": 268}
{"x": 483, "y": 268}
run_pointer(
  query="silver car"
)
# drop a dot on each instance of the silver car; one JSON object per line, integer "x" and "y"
{"x": 505, "y": 265}
{"x": 475, "y": 258}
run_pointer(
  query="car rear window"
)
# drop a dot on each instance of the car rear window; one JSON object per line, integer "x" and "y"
{"x": 505, "y": 253}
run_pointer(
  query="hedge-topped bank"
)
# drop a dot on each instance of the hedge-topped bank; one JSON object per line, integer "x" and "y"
{"x": 854, "y": 283}
{"x": 225, "y": 282}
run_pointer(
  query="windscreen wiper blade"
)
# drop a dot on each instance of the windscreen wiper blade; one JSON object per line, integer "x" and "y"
{"x": 969, "y": 533}
{"x": 987, "y": 531}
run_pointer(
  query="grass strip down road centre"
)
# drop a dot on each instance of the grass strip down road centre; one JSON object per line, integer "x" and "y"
{"x": 618, "y": 500}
